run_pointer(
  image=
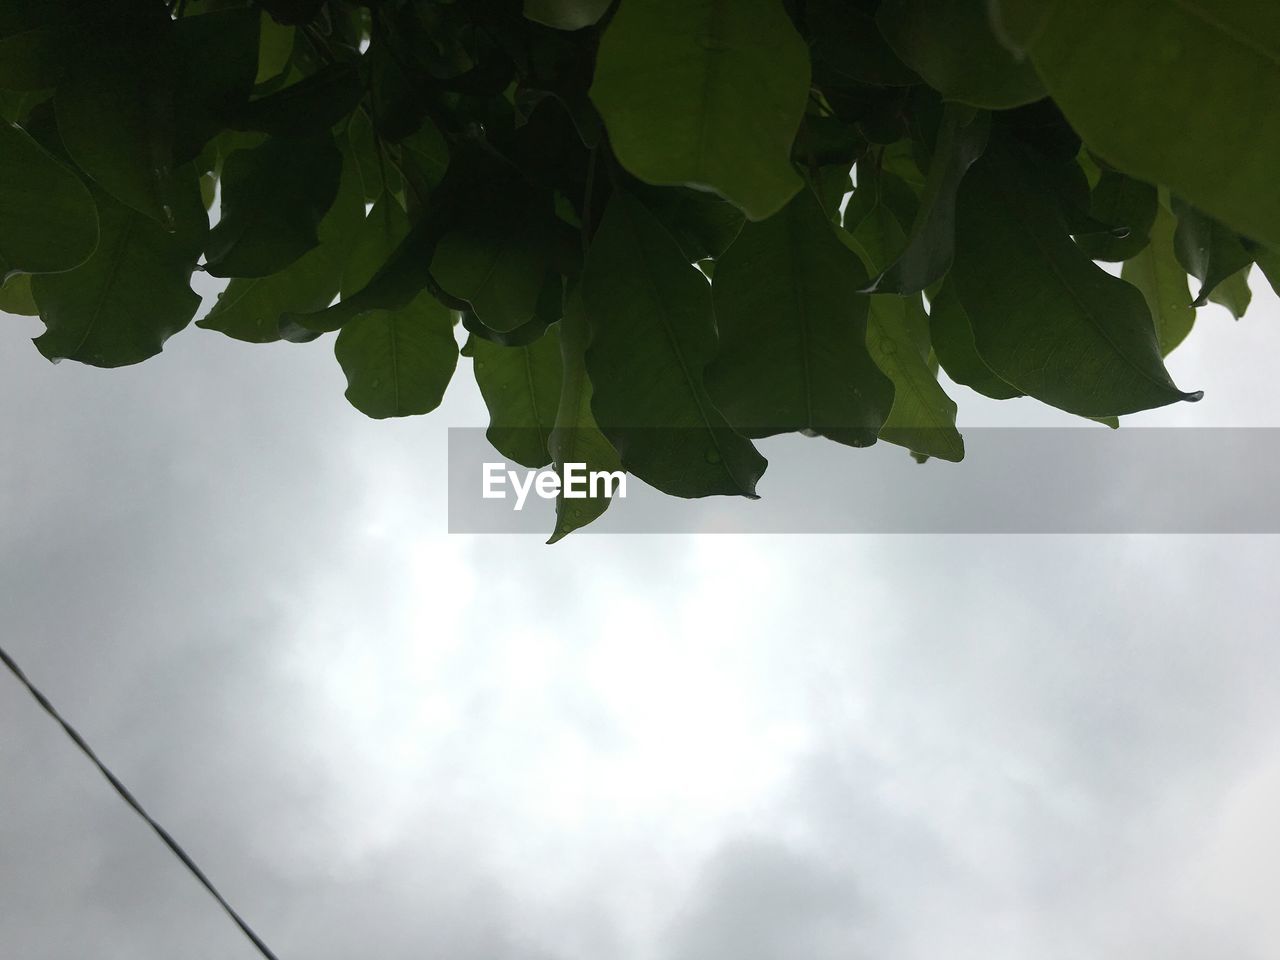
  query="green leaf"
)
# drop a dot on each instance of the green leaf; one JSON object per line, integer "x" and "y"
{"x": 952, "y": 46}
{"x": 652, "y": 334}
{"x": 1163, "y": 282}
{"x": 1123, "y": 204}
{"x": 707, "y": 94}
{"x": 793, "y": 354}
{"x": 1046, "y": 318}
{"x": 962, "y": 136}
{"x": 377, "y": 238}
{"x": 496, "y": 259}
{"x": 565, "y": 14}
{"x": 273, "y": 199}
{"x": 47, "y": 218}
{"x": 15, "y": 296}
{"x": 576, "y": 437}
{"x": 217, "y": 59}
{"x": 874, "y": 216}
{"x": 1234, "y": 293}
{"x": 398, "y": 362}
{"x": 31, "y": 59}
{"x": 275, "y": 48}
{"x": 250, "y": 308}
{"x": 521, "y": 387}
{"x": 1269, "y": 263}
{"x": 124, "y": 302}
{"x": 1017, "y": 23}
{"x": 306, "y": 109}
{"x": 1207, "y": 250}
{"x": 116, "y": 119}
{"x": 849, "y": 50}
{"x": 702, "y": 223}
{"x": 923, "y": 417}
{"x": 952, "y": 338}
{"x": 1176, "y": 93}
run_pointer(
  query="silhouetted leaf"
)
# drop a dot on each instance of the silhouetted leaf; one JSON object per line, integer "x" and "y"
{"x": 1045, "y": 318}
{"x": 1234, "y": 293}
{"x": 250, "y": 308}
{"x": 1207, "y": 250}
{"x": 216, "y": 61}
{"x": 521, "y": 387}
{"x": 751, "y": 72}
{"x": 47, "y": 218}
{"x": 273, "y": 199}
{"x": 116, "y": 119}
{"x": 952, "y": 46}
{"x": 576, "y": 438}
{"x": 15, "y": 296}
{"x": 962, "y": 136}
{"x": 306, "y": 109}
{"x": 849, "y": 49}
{"x": 398, "y": 362}
{"x": 1017, "y": 23}
{"x": 652, "y": 333}
{"x": 1131, "y": 74}
{"x": 1163, "y": 282}
{"x": 1123, "y": 204}
{"x": 566, "y": 14}
{"x": 923, "y": 417}
{"x": 792, "y": 354}
{"x": 496, "y": 262}
{"x": 952, "y": 339}
{"x": 125, "y": 301}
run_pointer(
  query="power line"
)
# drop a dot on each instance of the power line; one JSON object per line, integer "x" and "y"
{"x": 128, "y": 798}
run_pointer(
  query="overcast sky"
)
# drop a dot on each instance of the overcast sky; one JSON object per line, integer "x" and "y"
{"x": 382, "y": 740}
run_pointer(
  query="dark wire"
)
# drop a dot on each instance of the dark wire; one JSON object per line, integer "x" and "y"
{"x": 128, "y": 798}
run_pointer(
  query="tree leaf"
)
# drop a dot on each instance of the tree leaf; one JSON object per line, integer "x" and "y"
{"x": 273, "y": 199}
{"x": 962, "y": 136}
{"x": 116, "y": 119}
{"x": 652, "y": 334}
{"x": 793, "y": 354}
{"x": 576, "y": 437}
{"x": 398, "y": 362}
{"x": 250, "y": 308}
{"x": 565, "y": 14}
{"x": 377, "y": 238}
{"x": 702, "y": 223}
{"x": 306, "y": 109}
{"x": 953, "y": 47}
{"x": 15, "y": 296}
{"x": 849, "y": 49}
{"x": 1127, "y": 73}
{"x": 48, "y": 222}
{"x": 521, "y": 387}
{"x": 1124, "y": 204}
{"x": 874, "y": 216}
{"x": 707, "y": 94}
{"x": 923, "y": 417}
{"x": 952, "y": 338}
{"x": 1163, "y": 282}
{"x": 1234, "y": 293}
{"x": 216, "y": 60}
{"x": 497, "y": 258}
{"x": 1207, "y": 250}
{"x": 1017, "y": 23}
{"x": 1047, "y": 319}
{"x": 1269, "y": 263}
{"x": 125, "y": 301}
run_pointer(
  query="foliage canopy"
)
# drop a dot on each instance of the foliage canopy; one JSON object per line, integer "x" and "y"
{"x": 644, "y": 212}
